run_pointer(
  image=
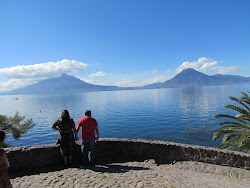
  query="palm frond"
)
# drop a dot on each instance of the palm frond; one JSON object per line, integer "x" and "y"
{"x": 244, "y": 94}
{"x": 234, "y": 124}
{"x": 225, "y": 116}
{"x": 245, "y": 147}
{"x": 243, "y": 117}
{"x": 230, "y": 143}
{"x": 236, "y": 108}
{"x": 229, "y": 116}
{"x": 239, "y": 101}
{"x": 228, "y": 137}
{"x": 245, "y": 101}
{"x": 236, "y": 134}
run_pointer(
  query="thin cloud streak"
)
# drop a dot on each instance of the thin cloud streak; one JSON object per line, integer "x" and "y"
{"x": 154, "y": 71}
{"x": 224, "y": 70}
{"x": 131, "y": 83}
{"x": 99, "y": 74}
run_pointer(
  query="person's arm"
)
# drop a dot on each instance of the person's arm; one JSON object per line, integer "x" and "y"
{"x": 54, "y": 126}
{"x": 77, "y": 129}
{"x": 75, "y": 132}
{"x": 97, "y": 133}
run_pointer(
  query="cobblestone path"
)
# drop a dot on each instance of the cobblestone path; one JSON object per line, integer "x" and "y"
{"x": 139, "y": 174}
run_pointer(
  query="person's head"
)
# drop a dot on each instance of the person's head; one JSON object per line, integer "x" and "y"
{"x": 87, "y": 113}
{"x": 65, "y": 115}
{"x": 2, "y": 137}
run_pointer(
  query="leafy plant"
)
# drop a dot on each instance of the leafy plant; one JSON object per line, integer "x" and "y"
{"x": 236, "y": 133}
{"x": 15, "y": 125}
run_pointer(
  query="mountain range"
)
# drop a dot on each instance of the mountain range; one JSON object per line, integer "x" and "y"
{"x": 191, "y": 77}
{"x": 69, "y": 84}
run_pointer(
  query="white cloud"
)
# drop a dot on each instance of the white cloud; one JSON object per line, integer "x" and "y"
{"x": 23, "y": 75}
{"x": 50, "y": 69}
{"x": 125, "y": 83}
{"x": 224, "y": 70}
{"x": 16, "y": 83}
{"x": 205, "y": 64}
{"x": 168, "y": 70}
{"x": 86, "y": 80}
{"x": 131, "y": 83}
{"x": 99, "y": 74}
{"x": 154, "y": 71}
{"x": 90, "y": 81}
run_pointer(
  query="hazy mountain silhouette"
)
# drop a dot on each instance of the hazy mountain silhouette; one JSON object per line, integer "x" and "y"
{"x": 191, "y": 77}
{"x": 63, "y": 84}
{"x": 69, "y": 84}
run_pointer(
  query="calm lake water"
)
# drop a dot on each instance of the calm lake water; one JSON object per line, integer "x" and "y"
{"x": 182, "y": 115}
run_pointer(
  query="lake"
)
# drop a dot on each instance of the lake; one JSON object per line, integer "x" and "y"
{"x": 182, "y": 115}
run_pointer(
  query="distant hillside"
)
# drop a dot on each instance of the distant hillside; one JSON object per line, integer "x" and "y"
{"x": 63, "y": 84}
{"x": 69, "y": 84}
{"x": 191, "y": 77}
{"x": 232, "y": 79}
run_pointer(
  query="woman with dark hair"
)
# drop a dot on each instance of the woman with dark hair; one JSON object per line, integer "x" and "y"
{"x": 4, "y": 164}
{"x": 66, "y": 127}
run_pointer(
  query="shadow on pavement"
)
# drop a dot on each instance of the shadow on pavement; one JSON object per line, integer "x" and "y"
{"x": 109, "y": 168}
{"x": 116, "y": 168}
{"x": 41, "y": 170}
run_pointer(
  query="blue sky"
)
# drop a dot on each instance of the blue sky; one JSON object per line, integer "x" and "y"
{"x": 121, "y": 42}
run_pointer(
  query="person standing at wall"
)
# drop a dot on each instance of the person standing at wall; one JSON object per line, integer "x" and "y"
{"x": 89, "y": 129}
{"x": 4, "y": 164}
{"x": 66, "y": 127}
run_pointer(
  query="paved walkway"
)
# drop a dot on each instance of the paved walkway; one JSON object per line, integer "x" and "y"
{"x": 139, "y": 174}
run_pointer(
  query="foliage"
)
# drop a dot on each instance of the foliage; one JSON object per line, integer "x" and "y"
{"x": 237, "y": 131}
{"x": 15, "y": 125}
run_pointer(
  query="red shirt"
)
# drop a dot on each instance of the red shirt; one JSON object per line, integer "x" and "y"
{"x": 88, "y": 125}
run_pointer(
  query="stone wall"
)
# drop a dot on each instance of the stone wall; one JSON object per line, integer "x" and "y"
{"x": 124, "y": 150}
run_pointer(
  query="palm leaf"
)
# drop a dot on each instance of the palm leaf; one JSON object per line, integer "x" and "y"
{"x": 225, "y": 116}
{"x": 240, "y": 140}
{"x": 234, "y": 124}
{"x": 229, "y": 144}
{"x": 229, "y": 116}
{"x": 236, "y": 108}
{"x": 228, "y": 136}
{"x": 239, "y": 101}
{"x": 236, "y": 134}
{"x": 245, "y": 101}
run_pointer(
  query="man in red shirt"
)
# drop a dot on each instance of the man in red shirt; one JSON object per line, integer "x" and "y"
{"x": 89, "y": 129}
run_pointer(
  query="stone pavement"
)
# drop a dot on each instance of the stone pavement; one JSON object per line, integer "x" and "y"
{"x": 137, "y": 174}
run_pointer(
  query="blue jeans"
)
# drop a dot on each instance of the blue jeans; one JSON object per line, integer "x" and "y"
{"x": 88, "y": 147}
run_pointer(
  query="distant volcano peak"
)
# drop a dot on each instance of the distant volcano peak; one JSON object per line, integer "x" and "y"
{"x": 70, "y": 84}
{"x": 190, "y": 71}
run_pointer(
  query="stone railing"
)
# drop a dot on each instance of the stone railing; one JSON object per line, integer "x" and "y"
{"x": 123, "y": 150}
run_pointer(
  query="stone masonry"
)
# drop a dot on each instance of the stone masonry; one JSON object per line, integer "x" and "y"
{"x": 112, "y": 150}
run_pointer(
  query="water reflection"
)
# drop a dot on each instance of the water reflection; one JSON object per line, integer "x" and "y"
{"x": 158, "y": 114}
{"x": 191, "y": 98}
